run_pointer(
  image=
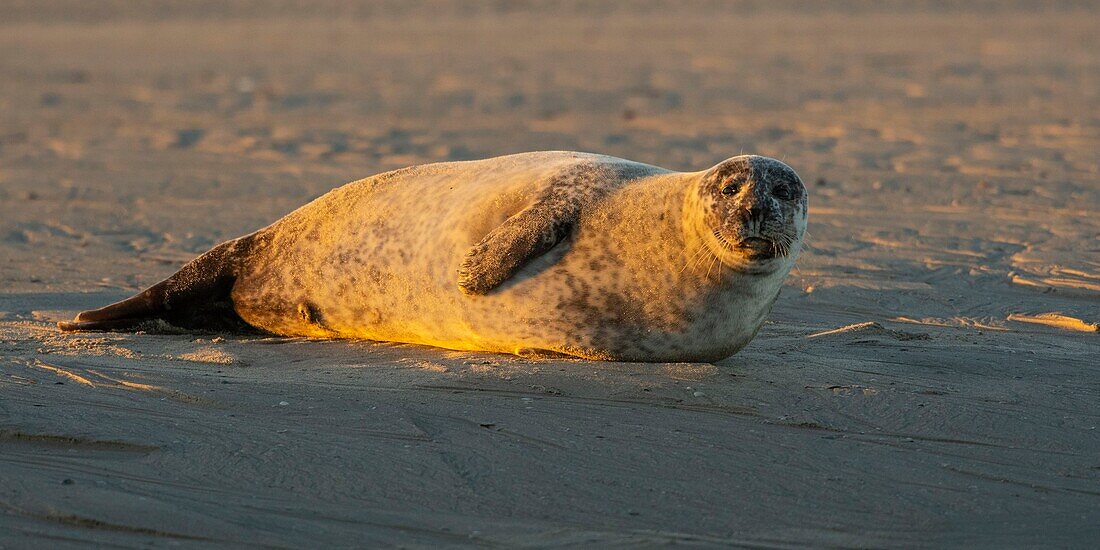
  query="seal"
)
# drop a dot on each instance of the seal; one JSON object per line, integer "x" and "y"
{"x": 568, "y": 253}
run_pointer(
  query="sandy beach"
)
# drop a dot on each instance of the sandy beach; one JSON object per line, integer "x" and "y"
{"x": 930, "y": 375}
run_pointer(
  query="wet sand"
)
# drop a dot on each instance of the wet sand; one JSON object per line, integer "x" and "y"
{"x": 929, "y": 376}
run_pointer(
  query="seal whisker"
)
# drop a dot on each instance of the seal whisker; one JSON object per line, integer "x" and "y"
{"x": 694, "y": 259}
{"x": 722, "y": 240}
{"x": 807, "y": 246}
{"x": 701, "y": 255}
{"x": 704, "y": 256}
{"x": 711, "y": 266}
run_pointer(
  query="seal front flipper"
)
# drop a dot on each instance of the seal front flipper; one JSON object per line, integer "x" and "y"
{"x": 521, "y": 238}
{"x": 536, "y": 229}
{"x": 197, "y": 296}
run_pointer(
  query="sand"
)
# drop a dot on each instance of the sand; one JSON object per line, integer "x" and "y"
{"x": 929, "y": 376}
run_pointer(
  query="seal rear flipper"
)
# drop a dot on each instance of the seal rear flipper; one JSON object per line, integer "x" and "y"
{"x": 196, "y": 296}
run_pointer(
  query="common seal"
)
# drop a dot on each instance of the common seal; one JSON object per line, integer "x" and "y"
{"x": 568, "y": 253}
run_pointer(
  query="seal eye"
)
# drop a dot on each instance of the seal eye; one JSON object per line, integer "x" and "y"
{"x": 729, "y": 189}
{"x": 784, "y": 192}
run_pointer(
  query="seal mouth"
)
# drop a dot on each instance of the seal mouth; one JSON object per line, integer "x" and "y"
{"x": 758, "y": 248}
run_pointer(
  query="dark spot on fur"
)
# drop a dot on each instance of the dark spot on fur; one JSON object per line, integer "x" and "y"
{"x": 310, "y": 314}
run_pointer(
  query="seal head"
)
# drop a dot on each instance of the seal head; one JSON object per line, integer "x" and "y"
{"x": 751, "y": 212}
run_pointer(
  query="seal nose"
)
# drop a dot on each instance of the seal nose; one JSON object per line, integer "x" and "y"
{"x": 755, "y": 211}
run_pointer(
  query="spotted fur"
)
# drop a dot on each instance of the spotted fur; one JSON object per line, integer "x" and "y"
{"x": 570, "y": 253}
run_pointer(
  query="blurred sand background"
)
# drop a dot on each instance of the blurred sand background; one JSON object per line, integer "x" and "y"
{"x": 929, "y": 376}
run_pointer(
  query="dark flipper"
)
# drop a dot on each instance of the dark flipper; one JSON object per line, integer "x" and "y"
{"x": 197, "y": 296}
{"x": 525, "y": 236}
{"x": 536, "y": 229}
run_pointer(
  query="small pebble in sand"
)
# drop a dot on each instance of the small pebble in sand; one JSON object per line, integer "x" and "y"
{"x": 283, "y": 403}
{"x": 699, "y": 394}
{"x": 245, "y": 85}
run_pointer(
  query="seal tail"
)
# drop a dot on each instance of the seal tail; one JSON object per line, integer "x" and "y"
{"x": 196, "y": 296}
